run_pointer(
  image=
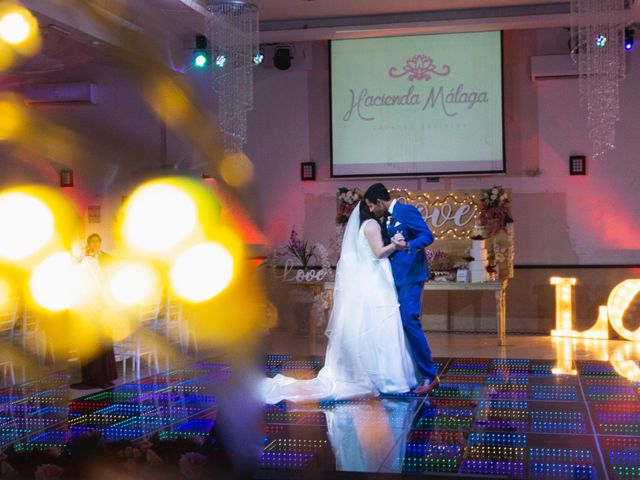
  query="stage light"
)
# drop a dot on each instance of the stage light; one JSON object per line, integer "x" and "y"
{"x": 131, "y": 284}
{"x": 27, "y": 225}
{"x": 158, "y": 216}
{"x": 201, "y": 52}
{"x": 258, "y": 58}
{"x": 200, "y": 60}
{"x": 50, "y": 283}
{"x": 601, "y": 41}
{"x": 220, "y": 60}
{"x": 628, "y": 39}
{"x": 282, "y": 58}
{"x": 202, "y": 272}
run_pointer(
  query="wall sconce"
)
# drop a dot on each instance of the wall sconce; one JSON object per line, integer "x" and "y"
{"x": 66, "y": 178}
{"x": 307, "y": 171}
{"x": 94, "y": 214}
{"x": 577, "y": 165}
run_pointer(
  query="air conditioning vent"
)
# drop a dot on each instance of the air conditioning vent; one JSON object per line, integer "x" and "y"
{"x": 61, "y": 93}
{"x": 553, "y": 67}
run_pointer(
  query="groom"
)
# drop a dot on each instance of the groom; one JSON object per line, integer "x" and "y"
{"x": 409, "y": 272}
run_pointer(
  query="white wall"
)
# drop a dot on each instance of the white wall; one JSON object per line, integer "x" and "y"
{"x": 110, "y": 146}
{"x": 559, "y": 219}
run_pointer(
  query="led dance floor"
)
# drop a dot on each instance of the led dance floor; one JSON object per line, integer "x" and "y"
{"x": 503, "y": 418}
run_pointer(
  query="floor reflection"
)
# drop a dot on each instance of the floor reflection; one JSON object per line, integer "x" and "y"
{"x": 363, "y": 435}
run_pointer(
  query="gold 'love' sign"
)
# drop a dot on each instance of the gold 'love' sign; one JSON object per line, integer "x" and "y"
{"x": 449, "y": 214}
{"x": 618, "y": 302}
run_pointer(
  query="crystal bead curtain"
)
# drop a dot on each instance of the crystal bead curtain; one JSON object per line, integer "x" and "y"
{"x": 232, "y": 28}
{"x": 597, "y": 33}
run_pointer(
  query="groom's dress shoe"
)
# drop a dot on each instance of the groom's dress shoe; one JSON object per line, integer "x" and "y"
{"x": 428, "y": 386}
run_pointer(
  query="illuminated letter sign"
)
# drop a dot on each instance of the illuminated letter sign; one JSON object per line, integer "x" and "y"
{"x": 618, "y": 302}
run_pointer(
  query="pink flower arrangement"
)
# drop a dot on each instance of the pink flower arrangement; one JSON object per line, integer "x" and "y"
{"x": 347, "y": 201}
{"x": 494, "y": 210}
{"x": 438, "y": 260}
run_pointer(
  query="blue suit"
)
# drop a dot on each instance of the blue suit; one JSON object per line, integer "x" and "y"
{"x": 410, "y": 271}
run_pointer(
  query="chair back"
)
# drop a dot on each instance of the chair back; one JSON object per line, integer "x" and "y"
{"x": 150, "y": 309}
{"x": 8, "y": 314}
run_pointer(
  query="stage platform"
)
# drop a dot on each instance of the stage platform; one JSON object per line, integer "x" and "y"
{"x": 501, "y": 418}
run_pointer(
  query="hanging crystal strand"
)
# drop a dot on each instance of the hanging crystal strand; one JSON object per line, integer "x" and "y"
{"x": 597, "y": 28}
{"x": 232, "y": 28}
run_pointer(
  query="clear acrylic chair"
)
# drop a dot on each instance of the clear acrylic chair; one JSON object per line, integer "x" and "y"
{"x": 8, "y": 319}
{"x": 142, "y": 343}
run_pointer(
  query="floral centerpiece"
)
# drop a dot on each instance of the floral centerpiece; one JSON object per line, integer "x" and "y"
{"x": 299, "y": 249}
{"x": 440, "y": 263}
{"x": 494, "y": 210}
{"x": 302, "y": 260}
{"x": 347, "y": 201}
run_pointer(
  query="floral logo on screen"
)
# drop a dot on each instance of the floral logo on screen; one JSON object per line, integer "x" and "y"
{"x": 419, "y": 67}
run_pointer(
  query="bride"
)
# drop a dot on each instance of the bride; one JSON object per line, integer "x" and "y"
{"x": 366, "y": 353}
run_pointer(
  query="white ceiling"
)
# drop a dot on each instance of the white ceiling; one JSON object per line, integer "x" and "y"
{"x": 291, "y": 20}
{"x": 273, "y": 10}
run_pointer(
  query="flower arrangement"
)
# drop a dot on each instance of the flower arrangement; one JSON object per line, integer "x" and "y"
{"x": 298, "y": 268}
{"x": 439, "y": 260}
{"x": 347, "y": 201}
{"x": 300, "y": 249}
{"x": 494, "y": 210}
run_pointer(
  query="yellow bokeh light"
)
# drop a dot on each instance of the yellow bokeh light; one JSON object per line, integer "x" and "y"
{"x": 130, "y": 284}
{"x": 6, "y": 56}
{"x": 14, "y": 28}
{"x": 5, "y": 293}
{"x": 19, "y": 31}
{"x": 28, "y": 225}
{"x": 11, "y": 114}
{"x": 158, "y": 217}
{"x": 51, "y": 282}
{"x": 202, "y": 272}
{"x": 236, "y": 169}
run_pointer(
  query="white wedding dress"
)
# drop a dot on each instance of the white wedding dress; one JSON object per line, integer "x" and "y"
{"x": 366, "y": 354}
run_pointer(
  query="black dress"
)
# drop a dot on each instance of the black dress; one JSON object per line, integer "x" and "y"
{"x": 101, "y": 370}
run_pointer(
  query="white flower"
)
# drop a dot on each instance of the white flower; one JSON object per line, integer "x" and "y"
{"x": 494, "y": 191}
{"x": 493, "y": 196}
